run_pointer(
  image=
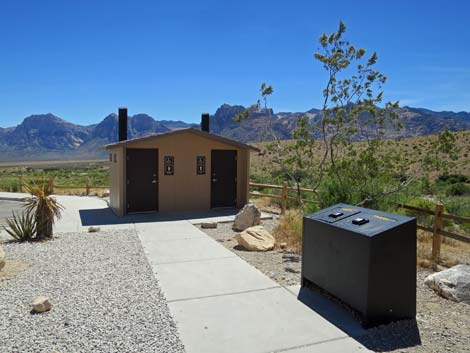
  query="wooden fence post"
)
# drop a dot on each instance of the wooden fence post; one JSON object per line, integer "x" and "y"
{"x": 51, "y": 184}
{"x": 20, "y": 182}
{"x": 285, "y": 185}
{"x": 87, "y": 185}
{"x": 436, "y": 238}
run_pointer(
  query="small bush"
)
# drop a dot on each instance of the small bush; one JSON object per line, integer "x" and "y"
{"x": 289, "y": 230}
{"x": 453, "y": 178}
{"x": 458, "y": 189}
{"x": 333, "y": 192}
{"x": 21, "y": 227}
{"x": 423, "y": 219}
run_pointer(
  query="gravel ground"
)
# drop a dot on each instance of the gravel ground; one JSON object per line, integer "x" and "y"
{"x": 104, "y": 296}
{"x": 441, "y": 325}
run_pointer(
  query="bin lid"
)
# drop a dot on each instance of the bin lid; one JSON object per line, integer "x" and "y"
{"x": 358, "y": 219}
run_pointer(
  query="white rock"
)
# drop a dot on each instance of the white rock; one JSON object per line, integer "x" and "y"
{"x": 209, "y": 225}
{"x": 41, "y": 304}
{"x": 453, "y": 283}
{"x": 2, "y": 258}
{"x": 283, "y": 245}
{"x": 256, "y": 239}
{"x": 248, "y": 216}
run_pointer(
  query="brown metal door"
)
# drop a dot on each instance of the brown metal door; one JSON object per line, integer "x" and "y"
{"x": 142, "y": 179}
{"x": 223, "y": 178}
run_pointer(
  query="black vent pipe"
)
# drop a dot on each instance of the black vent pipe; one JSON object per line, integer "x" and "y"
{"x": 205, "y": 122}
{"x": 122, "y": 124}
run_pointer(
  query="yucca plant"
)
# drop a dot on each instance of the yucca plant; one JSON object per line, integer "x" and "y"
{"x": 43, "y": 207}
{"x": 21, "y": 227}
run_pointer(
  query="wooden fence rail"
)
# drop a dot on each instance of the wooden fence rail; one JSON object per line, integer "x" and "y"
{"x": 284, "y": 196}
{"x": 438, "y": 214}
{"x": 87, "y": 183}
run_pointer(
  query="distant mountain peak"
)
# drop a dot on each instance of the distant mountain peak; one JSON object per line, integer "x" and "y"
{"x": 43, "y": 135}
{"x": 111, "y": 116}
{"x": 43, "y": 118}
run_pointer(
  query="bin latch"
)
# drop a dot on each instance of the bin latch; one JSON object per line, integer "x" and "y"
{"x": 335, "y": 214}
{"x": 360, "y": 221}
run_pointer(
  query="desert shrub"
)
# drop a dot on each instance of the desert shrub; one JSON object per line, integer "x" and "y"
{"x": 289, "y": 229}
{"x": 311, "y": 207}
{"x": 460, "y": 206}
{"x": 333, "y": 192}
{"x": 466, "y": 227}
{"x": 458, "y": 189}
{"x": 9, "y": 185}
{"x": 370, "y": 192}
{"x": 453, "y": 178}
{"x": 21, "y": 227}
{"x": 423, "y": 219}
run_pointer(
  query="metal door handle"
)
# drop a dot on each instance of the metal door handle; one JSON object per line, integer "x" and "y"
{"x": 154, "y": 181}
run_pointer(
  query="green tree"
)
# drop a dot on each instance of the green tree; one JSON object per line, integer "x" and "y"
{"x": 325, "y": 154}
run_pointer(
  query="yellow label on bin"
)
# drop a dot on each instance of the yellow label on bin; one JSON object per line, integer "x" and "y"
{"x": 384, "y": 218}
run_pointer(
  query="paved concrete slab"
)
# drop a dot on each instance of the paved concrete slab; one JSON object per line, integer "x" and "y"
{"x": 258, "y": 321}
{"x": 7, "y": 207}
{"x": 169, "y": 231}
{"x": 224, "y": 219}
{"x": 186, "y": 280}
{"x": 13, "y": 196}
{"x": 342, "y": 345}
{"x": 83, "y": 211}
{"x": 80, "y": 212}
{"x": 333, "y": 312}
{"x": 182, "y": 250}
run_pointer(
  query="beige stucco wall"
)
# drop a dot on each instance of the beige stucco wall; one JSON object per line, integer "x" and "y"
{"x": 117, "y": 173}
{"x": 185, "y": 190}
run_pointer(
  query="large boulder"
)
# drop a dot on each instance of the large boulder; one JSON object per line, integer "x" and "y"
{"x": 248, "y": 216}
{"x": 453, "y": 283}
{"x": 2, "y": 258}
{"x": 256, "y": 239}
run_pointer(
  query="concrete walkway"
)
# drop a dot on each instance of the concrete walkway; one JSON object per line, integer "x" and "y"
{"x": 6, "y": 209}
{"x": 220, "y": 303}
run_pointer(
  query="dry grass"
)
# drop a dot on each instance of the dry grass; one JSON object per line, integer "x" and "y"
{"x": 100, "y": 192}
{"x": 55, "y": 164}
{"x": 266, "y": 204}
{"x": 289, "y": 230}
{"x": 453, "y": 251}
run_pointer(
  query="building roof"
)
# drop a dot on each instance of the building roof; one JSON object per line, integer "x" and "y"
{"x": 194, "y": 131}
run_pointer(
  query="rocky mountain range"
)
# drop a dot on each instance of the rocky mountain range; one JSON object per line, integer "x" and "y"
{"x": 47, "y": 137}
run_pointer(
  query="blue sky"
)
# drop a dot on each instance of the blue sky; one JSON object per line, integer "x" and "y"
{"x": 175, "y": 59}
